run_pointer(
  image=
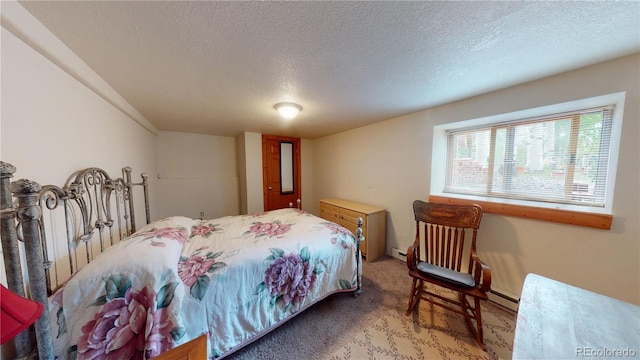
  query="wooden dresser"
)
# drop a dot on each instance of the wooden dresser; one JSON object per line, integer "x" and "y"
{"x": 374, "y": 223}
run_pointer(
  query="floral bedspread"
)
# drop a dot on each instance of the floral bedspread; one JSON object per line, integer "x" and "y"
{"x": 233, "y": 278}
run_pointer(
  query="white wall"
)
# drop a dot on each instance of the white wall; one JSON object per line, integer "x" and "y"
{"x": 306, "y": 175}
{"x": 197, "y": 175}
{"x": 57, "y": 116}
{"x": 250, "y": 173}
{"x": 388, "y": 164}
{"x": 217, "y": 175}
{"x": 52, "y": 125}
{"x": 242, "y": 172}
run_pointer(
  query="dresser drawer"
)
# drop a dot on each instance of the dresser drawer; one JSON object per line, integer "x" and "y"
{"x": 328, "y": 214}
{"x": 352, "y": 216}
{"x": 329, "y": 207}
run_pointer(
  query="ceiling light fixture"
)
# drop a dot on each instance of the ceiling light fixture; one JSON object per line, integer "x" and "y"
{"x": 288, "y": 110}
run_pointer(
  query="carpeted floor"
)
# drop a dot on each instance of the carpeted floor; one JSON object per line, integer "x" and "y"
{"x": 431, "y": 333}
{"x": 374, "y": 326}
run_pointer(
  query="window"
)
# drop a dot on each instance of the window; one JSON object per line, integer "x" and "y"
{"x": 558, "y": 157}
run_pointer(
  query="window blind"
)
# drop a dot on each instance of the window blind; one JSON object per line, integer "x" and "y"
{"x": 558, "y": 158}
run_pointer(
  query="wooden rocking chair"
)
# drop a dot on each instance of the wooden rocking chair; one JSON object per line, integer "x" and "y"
{"x": 443, "y": 239}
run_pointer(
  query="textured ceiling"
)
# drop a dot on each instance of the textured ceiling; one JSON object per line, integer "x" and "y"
{"x": 219, "y": 67}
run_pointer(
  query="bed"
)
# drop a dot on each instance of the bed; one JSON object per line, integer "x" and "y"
{"x": 127, "y": 292}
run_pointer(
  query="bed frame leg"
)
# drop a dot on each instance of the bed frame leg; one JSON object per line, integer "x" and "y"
{"x": 359, "y": 239}
{"x": 28, "y": 214}
{"x": 11, "y": 253}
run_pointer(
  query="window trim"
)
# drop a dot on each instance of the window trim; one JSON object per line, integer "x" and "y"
{"x": 596, "y": 217}
{"x": 598, "y": 221}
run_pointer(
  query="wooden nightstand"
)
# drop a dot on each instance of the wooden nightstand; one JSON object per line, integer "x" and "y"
{"x": 195, "y": 349}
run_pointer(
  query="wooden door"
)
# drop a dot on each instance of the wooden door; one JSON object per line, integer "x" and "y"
{"x": 280, "y": 171}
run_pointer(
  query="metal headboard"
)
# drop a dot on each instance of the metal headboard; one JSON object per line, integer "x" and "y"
{"x": 91, "y": 212}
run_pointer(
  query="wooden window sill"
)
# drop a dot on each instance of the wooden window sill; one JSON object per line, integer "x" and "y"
{"x": 598, "y": 221}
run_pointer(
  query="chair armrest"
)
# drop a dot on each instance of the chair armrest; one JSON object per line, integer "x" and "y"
{"x": 412, "y": 257}
{"x": 481, "y": 273}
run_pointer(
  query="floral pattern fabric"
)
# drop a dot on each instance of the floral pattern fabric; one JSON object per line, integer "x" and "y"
{"x": 126, "y": 303}
{"x": 233, "y": 278}
{"x": 289, "y": 278}
{"x": 268, "y": 229}
{"x": 132, "y": 324}
{"x": 194, "y": 270}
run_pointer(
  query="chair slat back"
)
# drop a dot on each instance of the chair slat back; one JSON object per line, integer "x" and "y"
{"x": 444, "y": 229}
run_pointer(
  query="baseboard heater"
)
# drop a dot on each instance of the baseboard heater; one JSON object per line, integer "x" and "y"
{"x": 398, "y": 255}
{"x": 506, "y": 297}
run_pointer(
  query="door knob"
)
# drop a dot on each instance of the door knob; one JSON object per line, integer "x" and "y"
{"x": 269, "y": 188}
